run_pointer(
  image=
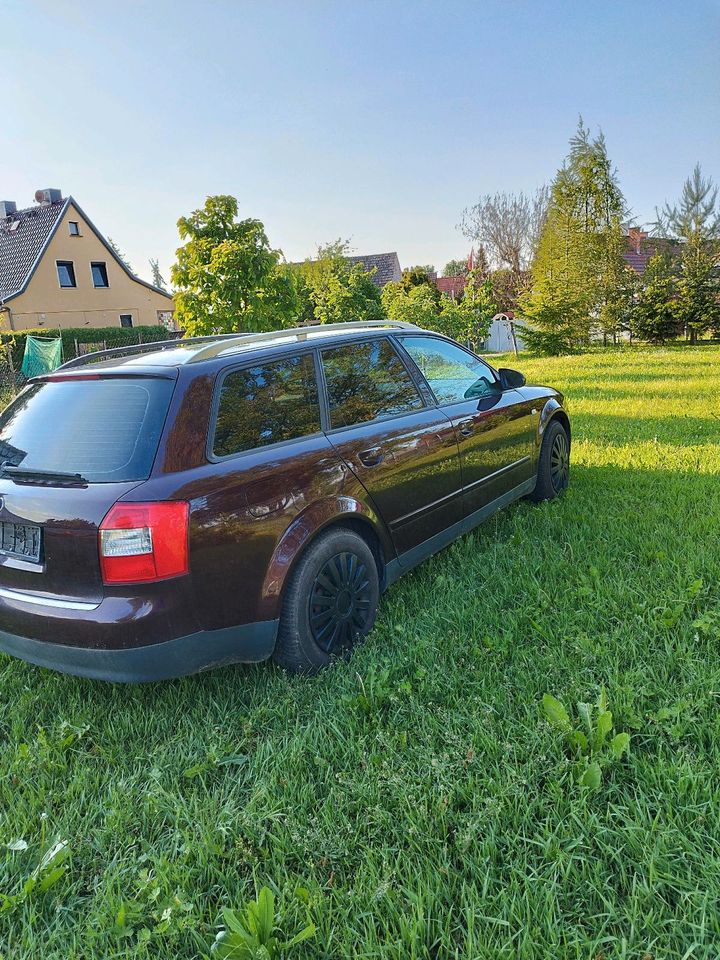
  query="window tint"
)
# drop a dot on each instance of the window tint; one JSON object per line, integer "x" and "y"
{"x": 106, "y": 430}
{"x": 366, "y": 381}
{"x": 99, "y": 274}
{"x": 453, "y": 374}
{"x": 266, "y": 404}
{"x": 66, "y": 273}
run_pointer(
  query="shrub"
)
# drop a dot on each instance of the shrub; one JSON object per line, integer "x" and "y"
{"x": 112, "y": 336}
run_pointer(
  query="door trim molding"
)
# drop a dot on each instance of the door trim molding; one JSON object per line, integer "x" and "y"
{"x": 411, "y": 558}
{"x": 415, "y": 514}
{"x": 497, "y": 473}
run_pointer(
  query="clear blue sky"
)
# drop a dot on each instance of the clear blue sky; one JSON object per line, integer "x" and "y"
{"x": 374, "y": 121}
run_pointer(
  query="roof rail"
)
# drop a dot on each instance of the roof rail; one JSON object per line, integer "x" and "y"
{"x": 150, "y": 347}
{"x": 218, "y": 342}
{"x": 300, "y": 333}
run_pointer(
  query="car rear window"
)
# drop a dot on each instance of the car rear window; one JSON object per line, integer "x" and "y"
{"x": 267, "y": 403}
{"x": 107, "y": 430}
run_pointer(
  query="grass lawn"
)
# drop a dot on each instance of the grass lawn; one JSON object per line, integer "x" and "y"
{"x": 414, "y": 802}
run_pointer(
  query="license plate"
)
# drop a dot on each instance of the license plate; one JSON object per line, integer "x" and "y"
{"x": 19, "y": 540}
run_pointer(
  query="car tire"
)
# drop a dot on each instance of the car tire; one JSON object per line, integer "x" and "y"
{"x": 553, "y": 464}
{"x": 330, "y": 602}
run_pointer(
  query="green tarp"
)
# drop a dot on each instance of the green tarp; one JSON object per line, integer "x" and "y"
{"x": 42, "y": 355}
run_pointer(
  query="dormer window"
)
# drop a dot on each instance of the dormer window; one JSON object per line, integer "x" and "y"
{"x": 66, "y": 273}
{"x": 99, "y": 275}
{"x": 74, "y": 228}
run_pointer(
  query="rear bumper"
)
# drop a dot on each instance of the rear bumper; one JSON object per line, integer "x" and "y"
{"x": 247, "y": 643}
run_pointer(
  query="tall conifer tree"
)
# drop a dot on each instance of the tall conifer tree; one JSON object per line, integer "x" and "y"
{"x": 579, "y": 261}
{"x": 695, "y": 222}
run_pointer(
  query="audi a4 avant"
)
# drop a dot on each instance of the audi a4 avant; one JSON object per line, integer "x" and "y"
{"x": 172, "y": 507}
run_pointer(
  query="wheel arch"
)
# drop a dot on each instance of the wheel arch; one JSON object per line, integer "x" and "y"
{"x": 553, "y": 410}
{"x": 337, "y": 513}
{"x": 564, "y": 419}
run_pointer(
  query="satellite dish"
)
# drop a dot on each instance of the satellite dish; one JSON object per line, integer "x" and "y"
{"x": 39, "y": 196}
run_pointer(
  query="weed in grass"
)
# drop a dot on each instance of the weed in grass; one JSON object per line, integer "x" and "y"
{"x": 45, "y": 875}
{"x": 593, "y": 745}
{"x": 251, "y": 934}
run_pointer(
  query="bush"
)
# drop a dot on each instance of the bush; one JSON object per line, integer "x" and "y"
{"x": 112, "y": 336}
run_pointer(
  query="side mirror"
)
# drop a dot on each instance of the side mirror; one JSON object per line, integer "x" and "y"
{"x": 510, "y": 379}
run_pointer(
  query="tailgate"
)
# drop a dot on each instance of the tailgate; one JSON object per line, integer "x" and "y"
{"x": 49, "y": 537}
{"x": 82, "y": 440}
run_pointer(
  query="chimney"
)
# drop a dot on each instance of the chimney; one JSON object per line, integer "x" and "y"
{"x": 47, "y": 196}
{"x": 637, "y": 237}
{"x": 7, "y": 208}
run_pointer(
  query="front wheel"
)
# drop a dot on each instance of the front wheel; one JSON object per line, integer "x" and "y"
{"x": 553, "y": 463}
{"x": 330, "y": 602}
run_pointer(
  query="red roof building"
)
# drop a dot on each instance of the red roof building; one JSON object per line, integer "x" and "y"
{"x": 452, "y": 286}
{"x": 639, "y": 248}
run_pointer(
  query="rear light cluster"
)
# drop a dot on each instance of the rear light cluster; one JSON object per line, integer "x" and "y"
{"x": 142, "y": 542}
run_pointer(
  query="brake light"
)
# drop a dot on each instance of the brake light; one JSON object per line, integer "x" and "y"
{"x": 142, "y": 542}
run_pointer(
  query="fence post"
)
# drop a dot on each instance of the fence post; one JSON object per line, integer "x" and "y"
{"x": 514, "y": 338}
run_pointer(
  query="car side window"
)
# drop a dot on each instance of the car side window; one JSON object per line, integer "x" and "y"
{"x": 366, "y": 381}
{"x": 267, "y": 403}
{"x": 453, "y": 373}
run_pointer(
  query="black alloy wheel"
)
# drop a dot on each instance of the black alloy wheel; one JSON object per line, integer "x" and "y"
{"x": 341, "y": 602}
{"x": 560, "y": 461}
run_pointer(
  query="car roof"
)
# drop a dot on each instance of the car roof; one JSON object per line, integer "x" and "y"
{"x": 176, "y": 353}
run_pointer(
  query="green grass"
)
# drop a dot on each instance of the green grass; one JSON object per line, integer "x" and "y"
{"x": 414, "y": 801}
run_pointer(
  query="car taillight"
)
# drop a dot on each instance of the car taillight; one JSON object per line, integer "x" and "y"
{"x": 141, "y": 542}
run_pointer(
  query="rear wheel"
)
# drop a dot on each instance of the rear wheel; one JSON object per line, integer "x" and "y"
{"x": 553, "y": 464}
{"x": 330, "y": 602}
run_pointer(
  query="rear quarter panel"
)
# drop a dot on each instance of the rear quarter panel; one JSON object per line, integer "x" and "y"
{"x": 250, "y": 518}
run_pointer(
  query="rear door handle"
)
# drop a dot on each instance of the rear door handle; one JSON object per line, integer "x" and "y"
{"x": 371, "y": 457}
{"x": 465, "y": 428}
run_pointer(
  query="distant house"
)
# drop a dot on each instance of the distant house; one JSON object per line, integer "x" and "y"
{"x": 57, "y": 270}
{"x": 640, "y": 247}
{"x": 451, "y": 286}
{"x": 385, "y": 265}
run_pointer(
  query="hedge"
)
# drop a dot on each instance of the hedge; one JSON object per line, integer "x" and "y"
{"x": 111, "y": 336}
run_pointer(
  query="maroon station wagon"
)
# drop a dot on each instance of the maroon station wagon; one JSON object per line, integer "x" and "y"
{"x": 175, "y": 506}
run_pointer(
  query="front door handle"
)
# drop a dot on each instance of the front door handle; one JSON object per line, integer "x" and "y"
{"x": 465, "y": 428}
{"x": 371, "y": 457}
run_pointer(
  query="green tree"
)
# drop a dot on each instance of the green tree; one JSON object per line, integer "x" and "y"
{"x": 119, "y": 254}
{"x": 226, "y": 275}
{"x": 157, "y": 277}
{"x": 417, "y": 303}
{"x": 331, "y": 289}
{"x": 420, "y": 277}
{"x": 455, "y": 268}
{"x": 653, "y": 315}
{"x": 579, "y": 258}
{"x": 508, "y": 288}
{"x": 695, "y": 222}
{"x": 469, "y": 318}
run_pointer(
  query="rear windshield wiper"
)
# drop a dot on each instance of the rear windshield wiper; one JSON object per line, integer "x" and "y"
{"x": 43, "y": 477}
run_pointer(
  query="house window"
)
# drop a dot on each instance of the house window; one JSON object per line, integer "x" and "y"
{"x": 74, "y": 228}
{"x": 99, "y": 274}
{"x": 125, "y": 319}
{"x": 66, "y": 273}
